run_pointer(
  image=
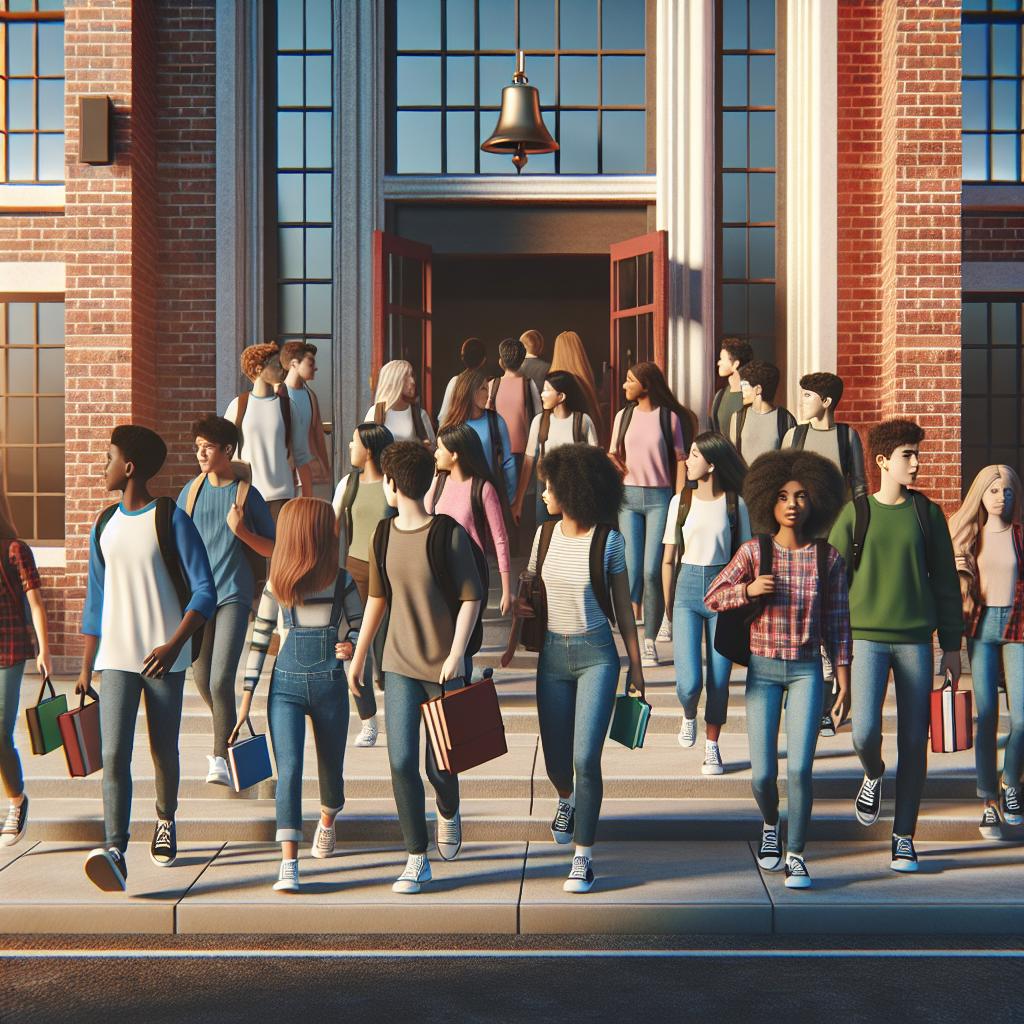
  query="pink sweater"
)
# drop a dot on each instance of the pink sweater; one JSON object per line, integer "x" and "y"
{"x": 646, "y": 458}
{"x": 457, "y": 502}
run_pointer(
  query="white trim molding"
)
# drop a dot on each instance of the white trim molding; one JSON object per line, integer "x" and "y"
{"x": 994, "y": 276}
{"x": 28, "y": 280}
{"x": 31, "y": 198}
{"x": 496, "y": 188}
{"x": 49, "y": 556}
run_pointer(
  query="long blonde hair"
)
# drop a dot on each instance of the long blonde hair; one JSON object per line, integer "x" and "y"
{"x": 570, "y": 355}
{"x": 305, "y": 558}
{"x": 965, "y": 524}
{"x": 391, "y": 382}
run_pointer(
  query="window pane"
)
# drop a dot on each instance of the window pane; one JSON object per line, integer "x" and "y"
{"x": 290, "y": 253}
{"x": 537, "y": 24}
{"x": 623, "y": 81}
{"x": 461, "y": 86}
{"x": 461, "y": 24}
{"x": 579, "y": 24}
{"x": 734, "y": 308}
{"x": 21, "y": 104}
{"x": 1004, "y": 372}
{"x": 22, "y": 513}
{"x": 495, "y": 74}
{"x": 51, "y": 518}
{"x": 318, "y": 140}
{"x": 289, "y": 140}
{"x": 627, "y": 274}
{"x": 289, "y": 197}
{"x": 734, "y": 197}
{"x": 734, "y": 81}
{"x": 318, "y": 82}
{"x": 21, "y": 158}
{"x": 762, "y": 308}
{"x": 974, "y": 364}
{"x": 762, "y": 139}
{"x": 290, "y": 314}
{"x": 762, "y": 24}
{"x": 973, "y": 323}
{"x": 578, "y": 141}
{"x": 975, "y": 113}
{"x": 1004, "y": 323}
{"x": 623, "y": 142}
{"x": 540, "y": 163}
{"x": 51, "y": 370}
{"x": 51, "y": 104}
{"x": 20, "y": 471}
{"x": 623, "y": 24}
{"x": 1005, "y": 158}
{"x": 975, "y": 157}
{"x": 762, "y": 252}
{"x": 734, "y": 24}
{"x": 21, "y": 421}
{"x": 734, "y": 139}
{"x": 318, "y": 253}
{"x": 20, "y": 48}
{"x": 289, "y": 26}
{"x": 289, "y": 81}
{"x": 762, "y": 81}
{"x": 21, "y": 323}
{"x": 318, "y": 198}
{"x": 51, "y": 323}
{"x": 462, "y": 142}
{"x": 51, "y": 157}
{"x": 762, "y": 198}
{"x": 497, "y": 24}
{"x": 419, "y": 142}
{"x": 734, "y": 253}
{"x": 318, "y": 308}
{"x": 578, "y": 82}
{"x": 411, "y": 288}
{"x": 975, "y": 49}
{"x": 419, "y": 81}
{"x": 1005, "y": 50}
{"x": 541, "y": 74}
{"x": 319, "y": 31}
{"x": 419, "y": 24}
{"x": 1006, "y": 104}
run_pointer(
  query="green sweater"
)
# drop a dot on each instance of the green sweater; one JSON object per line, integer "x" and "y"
{"x": 892, "y": 598}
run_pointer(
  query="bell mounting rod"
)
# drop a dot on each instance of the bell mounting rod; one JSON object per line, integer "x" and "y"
{"x": 520, "y": 75}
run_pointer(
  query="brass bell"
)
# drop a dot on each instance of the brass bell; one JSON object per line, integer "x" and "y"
{"x": 520, "y": 129}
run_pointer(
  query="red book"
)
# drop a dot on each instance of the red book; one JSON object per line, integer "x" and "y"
{"x": 952, "y": 719}
{"x": 80, "y": 734}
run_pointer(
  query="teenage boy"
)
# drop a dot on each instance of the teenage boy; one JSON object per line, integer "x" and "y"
{"x": 150, "y": 589}
{"x": 733, "y": 355}
{"x": 904, "y": 586}
{"x": 264, "y": 420}
{"x": 534, "y": 366}
{"x": 309, "y": 444}
{"x": 760, "y": 425}
{"x": 514, "y": 396}
{"x": 238, "y": 534}
{"x": 431, "y": 622}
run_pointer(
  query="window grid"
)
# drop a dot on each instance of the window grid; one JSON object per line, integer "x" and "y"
{"x": 445, "y": 98}
{"x": 32, "y": 413}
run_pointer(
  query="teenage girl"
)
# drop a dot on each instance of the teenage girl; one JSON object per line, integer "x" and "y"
{"x": 396, "y": 407}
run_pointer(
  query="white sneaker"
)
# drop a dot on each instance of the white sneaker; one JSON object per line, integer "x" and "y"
{"x": 649, "y": 654}
{"x": 712, "y": 759}
{"x": 417, "y": 871}
{"x": 288, "y": 877}
{"x": 449, "y": 836}
{"x": 769, "y": 853}
{"x": 665, "y": 633}
{"x": 368, "y": 734}
{"x": 217, "y": 773}
{"x": 581, "y": 877}
{"x": 324, "y": 839}
{"x": 688, "y": 732}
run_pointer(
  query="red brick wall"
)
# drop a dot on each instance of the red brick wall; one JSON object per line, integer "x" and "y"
{"x": 993, "y": 237}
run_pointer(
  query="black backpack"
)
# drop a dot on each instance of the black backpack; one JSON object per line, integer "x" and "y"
{"x": 782, "y": 422}
{"x": 842, "y": 439}
{"x": 732, "y": 511}
{"x": 862, "y": 519}
{"x": 667, "y": 435}
{"x": 348, "y": 499}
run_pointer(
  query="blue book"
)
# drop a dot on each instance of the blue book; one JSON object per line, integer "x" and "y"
{"x": 249, "y": 760}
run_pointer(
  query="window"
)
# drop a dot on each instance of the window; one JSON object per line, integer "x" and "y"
{"x": 450, "y": 59}
{"x": 32, "y": 402}
{"x": 32, "y": 87}
{"x": 992, "y": 90}
{"x": 746, "y": 178}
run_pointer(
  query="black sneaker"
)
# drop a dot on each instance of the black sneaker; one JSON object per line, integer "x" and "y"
{"x": 869, "y": 801}
{"x": 581, "y": 877}
{"x": 15, "y": 823}
{"x": 1010, "y": 804}
{"x": 769, "y": 855}
{"x": 904, "y": 856}
{"x": 564, "y": 823}
{"x": 827, "y": 726}
{"x": 991, "y": 825}
{"x": 106, "y": 869}
{"x": 796, "y": 872}
{"x": 164, "y": 848}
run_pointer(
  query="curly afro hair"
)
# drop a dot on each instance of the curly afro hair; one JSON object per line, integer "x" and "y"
{"x": 255, "y": 358}
{"x": 586, "y": 484}
{"x": 773, "y": 470}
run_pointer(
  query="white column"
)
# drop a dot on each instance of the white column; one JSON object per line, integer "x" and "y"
{"x": 811, "y": 167}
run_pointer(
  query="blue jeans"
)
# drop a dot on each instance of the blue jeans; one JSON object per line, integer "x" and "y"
{"x": 577, "y": 677}
{"x": 10, "y": 694}
{"x": 216, "y": 669}
{"x": 984, "y": 650}
{"x": 911, "y": 666}
{"x": 402, "y": 699}
{"x": 642, "y": 525}
{"x": 770, "y": 682}
{"x": 693, "y": 621}
{"x": 120, "y": 693}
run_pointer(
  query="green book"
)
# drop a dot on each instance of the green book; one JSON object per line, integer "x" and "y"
{"x": 629, "y": 721}
{"x": 41, "y": 719}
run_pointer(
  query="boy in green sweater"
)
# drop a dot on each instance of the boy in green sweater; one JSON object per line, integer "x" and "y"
{"x": 904, "y": 586}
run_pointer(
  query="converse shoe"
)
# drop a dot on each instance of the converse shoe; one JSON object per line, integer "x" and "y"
{"x": 368, "y": 734}
{"x": 904, "y": 856}
{"x": 288, "y": 877}
{"x": 688, "y": 732}
{"x": 1011, "y": 806}
{"x": 324, "y": 839}
{"x": 417, "y": 871}
{"x": 827, "y": 726}
{"x": 164, "y": 848}
{"x": 769, "y": 854}
{"x": 712, "y": 759}
{"x": 796, "y": 872}
{"x": 106, "y": 869}
{"x": 563, "y": 823}
{"x": 991, "y": 825}
{"x": 449, "y": 836}
{"x": 217, "y": 772}
{"x": 649, "y": 654}
{"x": 869, "y": 801}
{"x": 15, "y": 823}
{"x": 581, "y": 877}
{"x": 665, "y": 633}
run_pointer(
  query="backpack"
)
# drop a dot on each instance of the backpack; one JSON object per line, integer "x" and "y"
{"x": 578, "y": 433}
{"x": 862, "y": 519}
{"x": 285, "y": 404}
{"x": 498, "y": 456}
{"x": 842, "y": 439}
{"x": 380, "y": 413}
{"x": 168, "y": 552}
{"x": 716, "y": 405}
{"x": 667, "y": 434}
{"x": 781, "y": 426}
{"x": 476, "y": 502}
{"x": 348, "y": 499}
{"x": 732, "y": 511}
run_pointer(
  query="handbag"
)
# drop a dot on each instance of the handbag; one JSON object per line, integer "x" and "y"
{"x": 952, "y": 724}
{"x": 464, "y": 726}
{"x": 80, "y": 734}
{"x": 248, "y": 759}
{"x": 630, "y": 719}
{"x": 41, "y": 719}
{"x": 732, "y": 628}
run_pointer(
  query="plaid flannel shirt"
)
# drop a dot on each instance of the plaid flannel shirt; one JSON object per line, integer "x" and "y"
{"x": 20, "y": 576}
{"x": 789, "y": 628}
{"x": 967, "y": 565}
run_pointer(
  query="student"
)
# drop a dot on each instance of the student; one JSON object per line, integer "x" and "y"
{"x": 20, "y": 600}
{"x": 988, "y": 543}
{"x": 564, "y": 420}
{"x": 570, "y": 355}
{"x": 704, "y": 529}
{"x": 473, "y": 356}
{"x": 443, "y": 614}
{"x": 534, "y": 366}
{"x": 150, "y": 589}
{"x": 578, "y": 668}
{"x": 469, "y": 405}
{"x": 309, "y": 444}
{"x": 232, "y": 529}
{"x": 649, "y": 446}
{"x": 396, "y": 406}
{"x": 514, "y": 396}
{"x": 760, "y": 426}
{"x": 359, "y": 504}
{"x": 315, "y": 607}
{"x": 803, "y": 601}
{"x": 904, "y": 586}
{"x": 263, "y": 419}
{"x": 733, "y": 355}
{"x": 464, "y": 489}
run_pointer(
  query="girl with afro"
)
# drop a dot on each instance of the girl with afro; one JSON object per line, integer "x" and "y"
{"x": 794, "y": 496}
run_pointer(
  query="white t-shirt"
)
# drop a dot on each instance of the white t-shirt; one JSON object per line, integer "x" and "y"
{"x": 263, "y": 446}
{"x": 401, "y": 423}
{"x": 447, "y": 400}
{"x": 706, "y": 534}
{"x": 559, "y": 433}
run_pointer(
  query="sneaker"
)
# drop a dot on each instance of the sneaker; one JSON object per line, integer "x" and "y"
{"x": 581, "y": 877}
{"x": 827, "y": 726}
{"x": 449, "y": 836}
{"x": 563, "y": 823}
{"x": 324, "y": 838}
{"x": 368, "y": 734}
{"x": 164, "y": 848}
{"x": 796, "y": 872}
{"x": 769, "y": 854}
{"x": 688, "y": 732}
{"x": 665, "y": 633}
{"x": 904, "y": 856}
{"x": 1011, "y": 807}
{"x": 417, "y": 871}
{"x": 14, "y": 824}
{"x": 991, "y": 825}
{"x": 712, "y": 760}
{"x": 106, "y": 869}
{"x": 288, "y": 877}
{"x": 649, "y": 654}
{"x": 869, "y": 801}
{"x": 217, "y": 772}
